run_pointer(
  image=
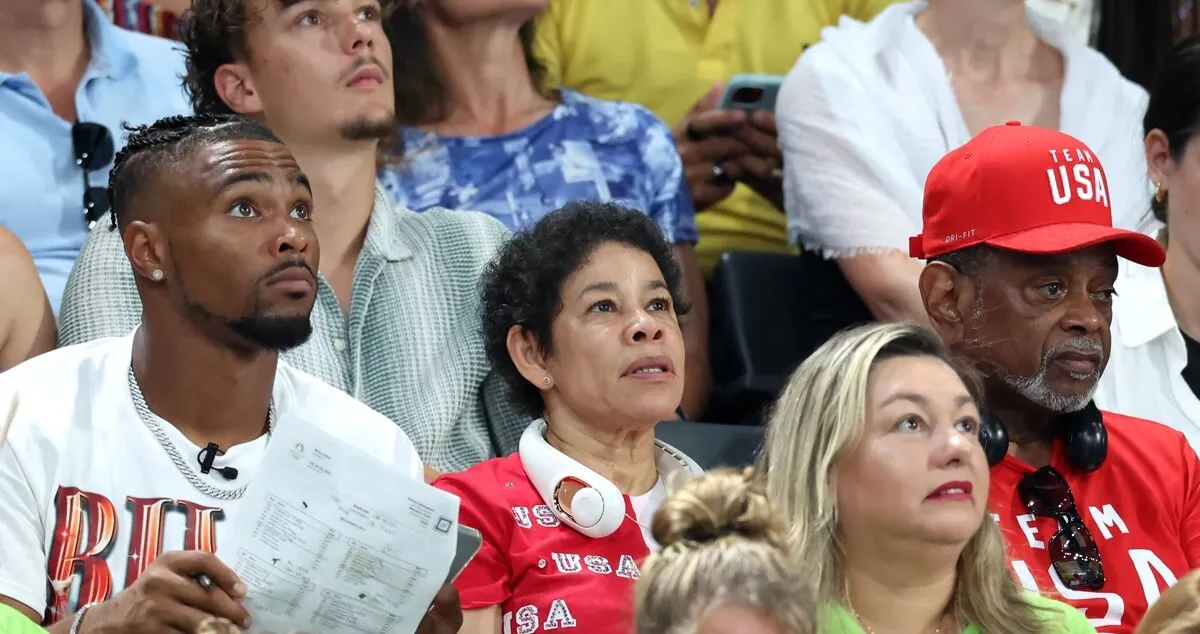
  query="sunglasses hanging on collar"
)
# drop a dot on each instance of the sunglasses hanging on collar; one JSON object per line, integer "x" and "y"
{"x": 92, "y": 145}
{"x": 1073, "y": 550}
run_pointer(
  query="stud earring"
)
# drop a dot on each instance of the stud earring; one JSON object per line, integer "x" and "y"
{"x": 1159, "y": 194}
{"x": 157, "y": 275}
{"x": 546, "y": 381}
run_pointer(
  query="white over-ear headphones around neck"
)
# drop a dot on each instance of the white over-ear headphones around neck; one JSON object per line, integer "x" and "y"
{"x": 598, "y": 508}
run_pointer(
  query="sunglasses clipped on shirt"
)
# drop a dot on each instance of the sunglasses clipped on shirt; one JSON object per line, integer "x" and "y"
{"x": 92, "y": 144}
{"x": 1073, "y": 550}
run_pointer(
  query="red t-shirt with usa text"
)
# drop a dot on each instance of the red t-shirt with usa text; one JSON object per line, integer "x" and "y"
{"x": 1142, "y": 507}
{"x": 543, "y": 574}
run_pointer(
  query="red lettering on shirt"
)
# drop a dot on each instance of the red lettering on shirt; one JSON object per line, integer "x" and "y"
{"x": 76, "y": 512}
{"x": 86, "y": 527}
{"x": 200, "y": 532}
{"x": 146, "y": 534}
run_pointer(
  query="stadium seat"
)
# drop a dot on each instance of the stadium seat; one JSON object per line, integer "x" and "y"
{"x": 712, "y": 445}
{"x": 768, "y": 313}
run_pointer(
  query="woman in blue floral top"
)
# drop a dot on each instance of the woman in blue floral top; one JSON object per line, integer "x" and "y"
{"x": 478, "y": 133}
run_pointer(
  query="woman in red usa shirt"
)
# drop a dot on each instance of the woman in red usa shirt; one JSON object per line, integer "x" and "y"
{"x": 581, "y": 317}
{"x": 1099, "y": 509}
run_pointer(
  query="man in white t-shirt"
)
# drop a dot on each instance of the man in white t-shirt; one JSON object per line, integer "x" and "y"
{"x": 127, "y": 457}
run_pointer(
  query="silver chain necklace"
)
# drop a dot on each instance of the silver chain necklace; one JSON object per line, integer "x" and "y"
{"x": 148, "y": 417}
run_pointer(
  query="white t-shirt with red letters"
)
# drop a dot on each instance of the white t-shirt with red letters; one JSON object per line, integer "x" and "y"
{"x": 89, "y": 496}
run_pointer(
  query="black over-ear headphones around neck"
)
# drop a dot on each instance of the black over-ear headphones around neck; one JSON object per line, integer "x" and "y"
{"x": 1082, "y": 432}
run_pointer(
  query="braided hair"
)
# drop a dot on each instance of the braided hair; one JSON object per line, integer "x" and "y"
{"x": 149, "y": 148}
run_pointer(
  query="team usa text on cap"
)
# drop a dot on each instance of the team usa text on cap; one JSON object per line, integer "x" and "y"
{"x": 1076, "y": 174}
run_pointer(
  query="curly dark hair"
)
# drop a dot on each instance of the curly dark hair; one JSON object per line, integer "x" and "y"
{"x": 523, "y": 285}
{"x": 213, "y": 33}
{"x": 421, "y": 96}
{"x": 150, "y": 148}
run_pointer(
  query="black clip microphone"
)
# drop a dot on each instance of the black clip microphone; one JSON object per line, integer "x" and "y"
{"x": 206, "y": 457}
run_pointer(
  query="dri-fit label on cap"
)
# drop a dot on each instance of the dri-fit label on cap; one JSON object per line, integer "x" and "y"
{"x": 1076, "y": 175}
{"x": 961, "y": 235}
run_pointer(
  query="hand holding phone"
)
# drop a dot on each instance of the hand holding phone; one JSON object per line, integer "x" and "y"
{"x": 469, "y": 543}
{"x": 445, "y": 613}
{"x": 729, "y": 137}
{"x": 751, "y": 92}
{"x": 760, "y": 166}
{"x": 445, "y": 616}
{"x": 703, "y": 140}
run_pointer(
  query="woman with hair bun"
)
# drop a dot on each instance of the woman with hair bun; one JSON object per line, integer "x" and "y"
{"x": 722, "y": 568}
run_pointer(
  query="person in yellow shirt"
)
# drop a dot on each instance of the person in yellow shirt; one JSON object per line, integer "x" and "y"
{"x": 674, "y": 56}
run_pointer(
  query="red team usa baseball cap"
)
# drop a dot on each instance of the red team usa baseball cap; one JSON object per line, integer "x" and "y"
{"x": 1026, "y": 189}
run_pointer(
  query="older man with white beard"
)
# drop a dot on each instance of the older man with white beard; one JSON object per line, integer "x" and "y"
{"x": 1100, "y": 509}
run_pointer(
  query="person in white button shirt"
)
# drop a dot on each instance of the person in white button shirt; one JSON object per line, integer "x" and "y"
{"x": 1081, "y": 18}
{"x": 1154, "y": 371}
{"x": 111, "y": 489}
{"x": 865, "y": 113}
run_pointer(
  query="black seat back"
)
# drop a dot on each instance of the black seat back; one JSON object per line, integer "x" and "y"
{"x": 768, "y": 313}
{"x": 712, "y": 445}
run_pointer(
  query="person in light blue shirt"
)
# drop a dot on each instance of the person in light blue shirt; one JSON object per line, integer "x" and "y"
{"x": 478, "y": 132}
{"x": 69, "y": 80}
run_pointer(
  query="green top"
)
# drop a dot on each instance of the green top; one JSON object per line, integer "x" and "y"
{"x": 1068, "y": 620}
{"x": 13, "y": 622}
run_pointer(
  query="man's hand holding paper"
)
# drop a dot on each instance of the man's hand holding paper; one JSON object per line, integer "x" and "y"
{"x": 329, "y": 540}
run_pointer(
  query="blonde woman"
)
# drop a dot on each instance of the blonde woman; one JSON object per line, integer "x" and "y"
{"x": 1177, "y": 611}
{"x": 723, "y": 568}
{"x": 872, "y": 455}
